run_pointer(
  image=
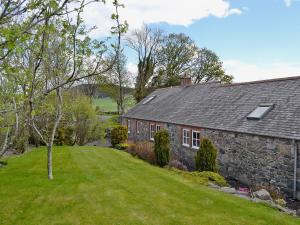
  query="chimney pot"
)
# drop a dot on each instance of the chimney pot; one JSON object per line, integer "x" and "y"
{"x": 186, "y": 81}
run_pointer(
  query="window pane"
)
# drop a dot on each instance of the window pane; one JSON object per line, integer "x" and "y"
{"x": 259, "y": 112}
{"x": 195, "y": 139}
{"x": 157, "y": 127}
{"x": 185, "y": 137}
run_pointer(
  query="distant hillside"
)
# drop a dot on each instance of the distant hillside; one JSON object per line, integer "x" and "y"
{"x": 93, "y": 90}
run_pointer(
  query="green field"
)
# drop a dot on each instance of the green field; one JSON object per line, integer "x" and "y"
{"x": 109, "y": 105}
{"x": 95, "y": 185}
{"x": 105, "y": 104}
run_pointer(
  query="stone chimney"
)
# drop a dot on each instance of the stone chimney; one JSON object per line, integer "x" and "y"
{"x": 185, "y": 81}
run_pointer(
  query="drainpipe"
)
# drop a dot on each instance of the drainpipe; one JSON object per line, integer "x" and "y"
{"x": 295, "y": 168}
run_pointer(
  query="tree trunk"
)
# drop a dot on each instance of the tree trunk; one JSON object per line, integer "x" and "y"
{"x": 56, "y": 123}
{"x": 4, "y": 148}
{"x": 49, "y": 162}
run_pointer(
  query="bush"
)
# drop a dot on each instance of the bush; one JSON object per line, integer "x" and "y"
{"x": 162, "y": 148}
{"x": 122, "y": 146}
{"x": 203, "y": 178}
{"x": 119, "y": 135}
{"x": 206, "y": 156}
{"x": 144, "y": 150}
{"x": 211, "y": 176}
{"x": 177, "y": 164}
{"x": 64, "y": 136}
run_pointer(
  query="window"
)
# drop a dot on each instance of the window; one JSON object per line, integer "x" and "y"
{"x": 138, "y": 127}
{"x": 152, "y": 131}
{"x": 157, "y": 127}
{"x": 149, "y": 99}
{"x": 195, "y": 139}
{"x": 186, "y": 137}
{"x": 128, "y": 126}
{"x": 260, "y": 111}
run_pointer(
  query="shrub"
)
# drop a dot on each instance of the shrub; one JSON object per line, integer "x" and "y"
{"x": 177, "y": 164}
{"x": 122, "y": 146}
{"x": 64, "y": 136}
{"x": 212, "y": 176}
{"x": 206, "y": 156}
{"x": 162, "y": 147}
{"x": 60, "y": 136}
{"x": 21, "y": 142}
{"x": 203, "y": 178}
{"x": 144, "y": 150}
{"x": 119, "y": 135}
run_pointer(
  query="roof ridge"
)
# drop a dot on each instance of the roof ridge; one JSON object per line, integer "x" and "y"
{"x": 261, "y": 81}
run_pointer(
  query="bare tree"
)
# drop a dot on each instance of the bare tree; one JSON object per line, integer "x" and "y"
{"x": 114, "y": 82}
{"x": 145, "y": 42}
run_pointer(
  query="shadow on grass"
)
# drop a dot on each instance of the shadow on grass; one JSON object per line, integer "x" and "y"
{"x": 2, "y": 164}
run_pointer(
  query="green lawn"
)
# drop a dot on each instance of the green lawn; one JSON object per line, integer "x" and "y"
{"x": 103, "y": 186}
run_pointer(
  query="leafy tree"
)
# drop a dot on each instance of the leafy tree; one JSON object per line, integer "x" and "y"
{"x": 206, "y": 156}
{"x": 19, "y": 17}
{"x": 45, "y": 63}
{"x": 178, "y": 55}
{"x": 175, "y": 58}
{"x": 208, "y": 66}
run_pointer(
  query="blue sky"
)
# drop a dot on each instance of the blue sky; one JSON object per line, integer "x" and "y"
{"x": 256, "y": 39}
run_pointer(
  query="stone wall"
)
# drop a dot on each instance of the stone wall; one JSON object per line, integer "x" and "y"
{"x": 254, "y": 159}
{"x": 251, "y": 159}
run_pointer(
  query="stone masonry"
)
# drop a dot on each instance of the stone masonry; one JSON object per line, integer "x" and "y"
{"x": 250, "y": 159}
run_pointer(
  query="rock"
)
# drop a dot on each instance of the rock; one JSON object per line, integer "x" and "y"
{"x": 280, "y": 202}
{"x": 262, "y": 194}
{"x": 213, "y": 185}
{"x": 268, "y": 202}
{"x": 228, "y": 190}
{"x": 286, "y": 210}
{"x": 242, "y": 193}
{"x": 242, "y": 196}
{"x": 298, "y": 212}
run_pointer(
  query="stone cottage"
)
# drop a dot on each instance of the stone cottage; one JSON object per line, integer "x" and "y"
{"x": 254, "y": 125}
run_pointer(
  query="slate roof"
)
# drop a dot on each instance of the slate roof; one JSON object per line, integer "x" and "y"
{"x": 226, "y": 107}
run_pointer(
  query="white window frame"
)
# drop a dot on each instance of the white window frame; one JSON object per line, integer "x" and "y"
{"x": 137, "y": 127}
{"x": 193, "y": 146}
{"x": 156, "y": 127}
{"x": 152, "y": 132}
{"x": 188, "y": 138}
{"x": 128, "y": 126}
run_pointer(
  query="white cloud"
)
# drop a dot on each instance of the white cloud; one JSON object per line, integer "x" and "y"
{"x": 243, "y": 71}
{"x": 288, "y": 3}
{"x": 175, "y": 12}
{"x": 132, "y": 67}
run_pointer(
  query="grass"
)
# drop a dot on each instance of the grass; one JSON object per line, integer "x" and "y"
{"x": 105, "y": 104}
{"x": 109, "y": 105}
{"x": 95, "y": 185}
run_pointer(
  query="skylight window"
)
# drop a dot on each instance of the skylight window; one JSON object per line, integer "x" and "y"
{"x": 149, "y": 99}
{"x": 260, "y": 111}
